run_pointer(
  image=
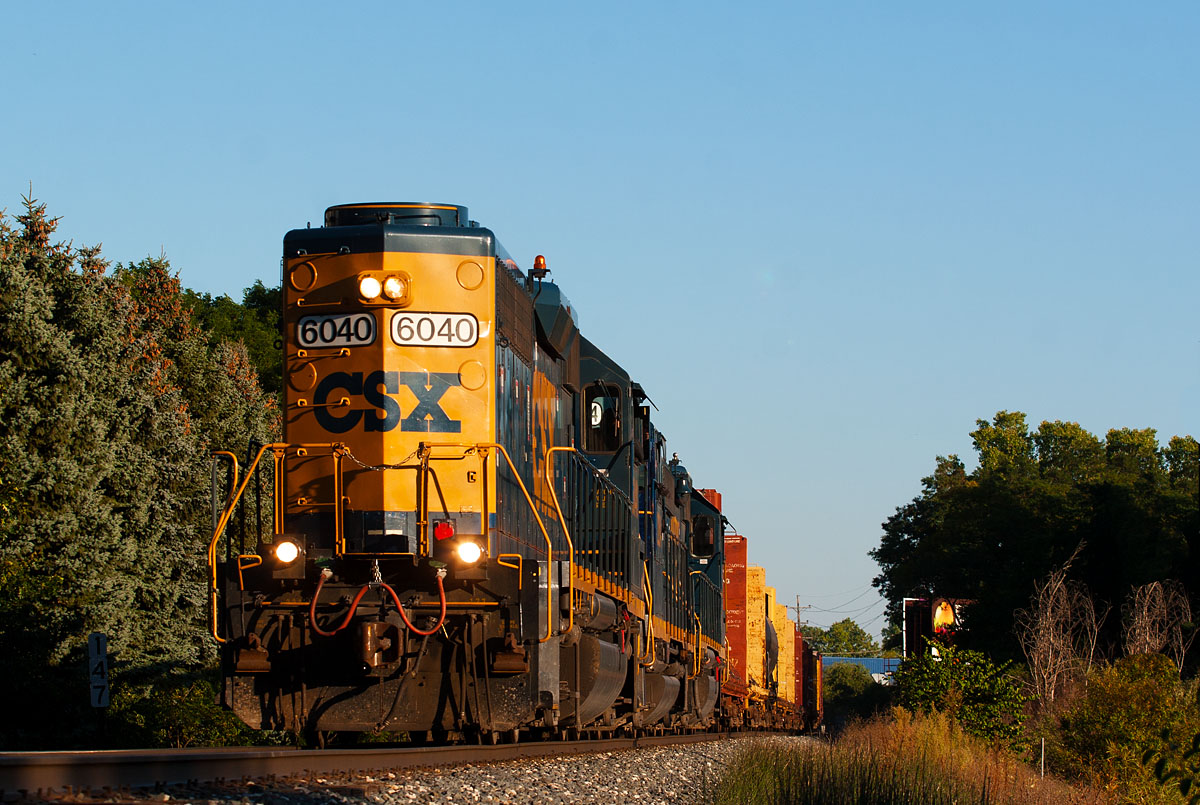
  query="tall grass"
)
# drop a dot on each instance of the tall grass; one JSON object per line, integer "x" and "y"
{"x": 906, "y": 760}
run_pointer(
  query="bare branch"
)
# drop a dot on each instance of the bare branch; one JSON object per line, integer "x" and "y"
{"x": 1058, "y": 633}
{"x": 1158, "y": 619}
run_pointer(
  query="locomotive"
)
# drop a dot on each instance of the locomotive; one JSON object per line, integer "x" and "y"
{"x": 471, "y": 528}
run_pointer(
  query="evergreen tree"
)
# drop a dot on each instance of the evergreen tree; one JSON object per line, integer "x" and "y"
{"x": 110, "y": 403}
{"x": 255, "y": 323}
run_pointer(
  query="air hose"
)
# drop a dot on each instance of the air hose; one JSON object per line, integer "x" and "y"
{"x": 441, "y": 574}
{"x": 326, "y": 573}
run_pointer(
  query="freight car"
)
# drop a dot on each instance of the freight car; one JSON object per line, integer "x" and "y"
{"x": 773, "y": 680}
{"x": 471, "y": 528}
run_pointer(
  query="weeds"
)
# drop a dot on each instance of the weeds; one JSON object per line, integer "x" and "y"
{"x": 905, "y": 760}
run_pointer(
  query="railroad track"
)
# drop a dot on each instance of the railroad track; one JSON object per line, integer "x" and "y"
{"x": 49, "y": 775}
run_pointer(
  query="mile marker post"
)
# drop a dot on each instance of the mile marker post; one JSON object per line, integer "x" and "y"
{"x": 98, "y": 678}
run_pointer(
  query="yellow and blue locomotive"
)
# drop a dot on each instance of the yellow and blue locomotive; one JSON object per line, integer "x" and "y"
{"x": 470, "y": 527}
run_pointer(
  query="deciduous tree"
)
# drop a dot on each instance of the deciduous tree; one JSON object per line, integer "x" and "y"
{"x": 985, "y": 535}
{"x": 842, "y": 639}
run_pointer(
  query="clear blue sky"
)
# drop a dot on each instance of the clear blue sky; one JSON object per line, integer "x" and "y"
{"x": 826, "y": 237}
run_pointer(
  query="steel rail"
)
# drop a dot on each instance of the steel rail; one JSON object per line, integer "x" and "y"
{"x": 48, "y": 773}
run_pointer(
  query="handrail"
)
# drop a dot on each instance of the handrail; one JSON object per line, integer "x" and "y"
{"x": 648, "y": 588}
{"x": 222, "y": 522}
{"x": 704, "y": 594}
{"x": 699, "y": 640}
{"x": 278, "y": 450}
{"x": 613, "y": 461}
{"x": 425, "y": 455}
{"x": 482, "y": 448}
{"x": 566, "y": 532}
{"x": 234, "y": 460}
{"x": 241, "y": 566}
{"x": 519, "y": 566}
{"x": 546, "y": 534}
{"x": 708, "y": 600}
{"x": 604, "y": 483}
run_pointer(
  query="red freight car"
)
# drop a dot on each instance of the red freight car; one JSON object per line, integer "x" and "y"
{"x": 750, "y": 691}
{"x": 735, "y": 692}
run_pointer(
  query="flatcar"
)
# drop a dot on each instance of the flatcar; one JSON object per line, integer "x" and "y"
{"x": 470, "y": 528}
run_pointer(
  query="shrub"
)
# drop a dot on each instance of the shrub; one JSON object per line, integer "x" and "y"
{"x": 851, "y": 693}
{"x": 1123, "y": 713}
{"x": 1176, "y": 766}
{"x": 982, "y": 696}
{"x": 177, "y": 713}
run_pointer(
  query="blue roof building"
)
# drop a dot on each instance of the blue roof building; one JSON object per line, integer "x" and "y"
{"x": 877, "y": 667}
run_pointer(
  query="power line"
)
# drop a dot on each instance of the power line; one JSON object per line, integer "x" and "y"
{"x": 844, "y": 592}
{"x": 852, "y": 615}
{"x": 839, "y": 606}
{"x": 874, "y": 619}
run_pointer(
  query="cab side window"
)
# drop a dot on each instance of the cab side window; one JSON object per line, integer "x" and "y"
{"x": 602, "y": 420}
{"x": 702, "y": 536}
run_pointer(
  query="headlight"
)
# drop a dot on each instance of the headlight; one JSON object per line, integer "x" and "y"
{"x": 369, "y": 287}
{"x": 469, "y": 552}
{"x": 287, "y": 552}
{"x": 395, "y": 288}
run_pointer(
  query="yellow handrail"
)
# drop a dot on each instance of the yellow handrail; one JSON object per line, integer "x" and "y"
{"x": 252, "y": 560}
{"x": 647, "y": 587}
{"x": 482, "y": 448}
{"x": 337, "y": 448}
{"x": 425, "y": 454}
{"x": 699, "y": 626}
{"x": 563, "y": 521}
{"x": 546, "y": 534}
{"x": 699, "y": 639}
{"x": 519, "y": 566}
{"x": 278, "y": 450}
{"x": 223, "y": 521}
{"x": 232, "y": 458}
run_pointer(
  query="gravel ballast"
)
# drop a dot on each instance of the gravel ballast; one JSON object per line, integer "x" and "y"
{"x": 669, "y": 774}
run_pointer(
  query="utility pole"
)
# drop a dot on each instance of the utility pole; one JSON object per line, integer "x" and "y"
{"x": 800, "y": 609}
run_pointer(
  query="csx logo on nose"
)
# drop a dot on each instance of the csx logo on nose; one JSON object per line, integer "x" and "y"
{"x": 426, "y": 417}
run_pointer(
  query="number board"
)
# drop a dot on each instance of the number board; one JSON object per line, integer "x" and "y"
{"x": 435, "y": 329}
{"x": 341, "y": 330}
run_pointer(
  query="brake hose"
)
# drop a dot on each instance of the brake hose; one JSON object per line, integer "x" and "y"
{"x": 312, "y": 607}
{"x": 327, "y": 573}
{"x": 441, "y": 574}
